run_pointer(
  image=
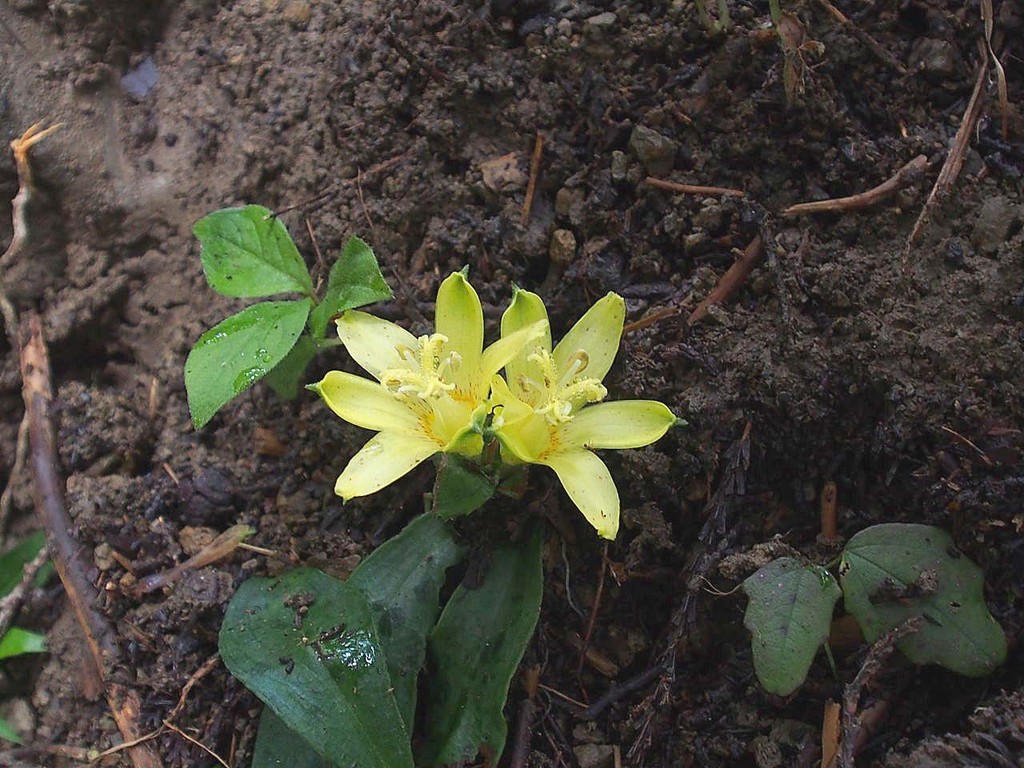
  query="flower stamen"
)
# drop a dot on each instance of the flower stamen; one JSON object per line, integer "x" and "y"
{"x": 425, "y": 376}
{"x": 561, "y": 396}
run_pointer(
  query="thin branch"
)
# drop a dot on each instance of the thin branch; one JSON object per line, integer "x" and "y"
{"x": 863, "y": 199}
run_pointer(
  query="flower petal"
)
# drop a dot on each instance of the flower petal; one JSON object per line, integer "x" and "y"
{"x": 622, "y": 424}
{"x": 507, "y": 349}
{"x": 459, "y": 316}
{"x": 590, "y": 486}
{"x": 526, "y": 309}
{"x": 364, "y": 403}
{"x": 523, "y": 433}
{"x": 387, "y": 457}
{"x": 597, "y": 334}
{"x": 374, "y": 342}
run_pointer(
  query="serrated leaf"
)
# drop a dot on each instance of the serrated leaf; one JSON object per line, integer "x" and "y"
{"x": 473, "y": 653}
{"x": 277, "y": 746}
{"x": 401, "y": 581}
{"x": 322, "y": 672}
{"x": 248, "y": 253}
{"x": 896, "y": 571}
{"x": 14, "y": 560}
{"x": 459, "y": 488}
{"x": 285, "y": 378}
{"x": 17, "y": 642}
{"x": 788, "y": 616}
{"x": 236, "y": 353}
{"x": 355, "y": 281}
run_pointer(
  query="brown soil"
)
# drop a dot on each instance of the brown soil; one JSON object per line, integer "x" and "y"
{"x": 894, "y": 374}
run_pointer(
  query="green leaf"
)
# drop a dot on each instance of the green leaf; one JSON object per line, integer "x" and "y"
{"x": 247, "y": 252}
{"x": 401, "y": 581}
{"x": 277, "y": 746}
{"x": 894, "y": 572}
{"x": 17, "y": 642}
{"x": 14, "y": 560}
{"x": 459, "y": 488}
{"x": 236, "y": 353}
{"x": 286, "y": 377}
{"x": 323, "y": 671}
{"x": 8, "y": 732}
{"x": 355, "y": 281}
{"x": 789, "y": 616}
{"x": 473, "y": 653}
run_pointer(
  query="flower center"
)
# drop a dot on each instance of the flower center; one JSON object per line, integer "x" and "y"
{"x": 424, "y": 375}
{"x": 561, "y": 396}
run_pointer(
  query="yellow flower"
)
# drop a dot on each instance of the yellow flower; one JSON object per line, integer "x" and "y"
{"x": 430, "y": 392}
{"x": 548, "y": 413}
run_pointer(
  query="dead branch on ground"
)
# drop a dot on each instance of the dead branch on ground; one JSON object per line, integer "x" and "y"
{"x": 863, "y": 199}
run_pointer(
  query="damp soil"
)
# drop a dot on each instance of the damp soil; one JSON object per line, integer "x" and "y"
{"x": 846, "y": 357}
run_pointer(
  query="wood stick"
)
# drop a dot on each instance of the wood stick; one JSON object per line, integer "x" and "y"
{"x": 531, "y": 185}
{"x": 955, "y": 159}
{"x": 731, "y": 281}
{"x": 863, "y": 199}
{"x": 693, "y": 189}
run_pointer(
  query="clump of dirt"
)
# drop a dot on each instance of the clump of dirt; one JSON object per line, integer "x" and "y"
{"x": 849, "y": 358}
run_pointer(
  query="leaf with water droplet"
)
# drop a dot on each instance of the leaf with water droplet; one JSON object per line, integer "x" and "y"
{"x": 321, "y": 670}
{"x": 355, "y": 281}
{"x": 247, "y": 252}
{"x": 238, "y": 352}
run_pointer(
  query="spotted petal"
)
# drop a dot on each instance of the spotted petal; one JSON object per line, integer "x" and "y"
{"x": 387, "y": 457}
{"x": 364, "y": 403}
{"x": 597, "y": 334}
{"x": 590, "y": 486}
{"x": 459, "y": 316}
{"x": 526, "y": 309}
{"x": 374, "y": 343}
{"x": 621, "y": 424}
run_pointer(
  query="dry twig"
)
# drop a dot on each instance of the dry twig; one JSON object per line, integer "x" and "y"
{"x": 873, "y": 664}
{"x": 12, "y": 601}
{"x": 531, "y": 185}
{"x": 954, "y": 160}
{"x": 693, "y": 189}
{"x": 863, "y": 199}
{"x": 731, "y": 281}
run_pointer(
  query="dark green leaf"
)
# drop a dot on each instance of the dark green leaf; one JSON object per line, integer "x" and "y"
{"x": 401, "y": 581}
{"x": 7, "y": 732}
{"x": 277, "y": 746}
{"x": 323, "y": 673}
{"x": 236, "y": 353}
{"x": 355, "y": 281}
{"x": 894, "y": 572}
{"x": 285, "y": 378}
{"x": 459, "y": 488}
{"x": 17, "y": 642}
{"x": 473, "y": 653}
{"x": 14, "y": 560}
{"x": 789, "y": 616}
{"x": 247, "y": 252}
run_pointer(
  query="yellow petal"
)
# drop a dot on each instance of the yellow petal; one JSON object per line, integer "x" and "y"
{"x": 523, "y": 434}
{"x": 508, "y": 348}
{"x": 590, "y": 486}
{"x": 459, "y": 316}
{"x": 622, "y": 424}
{"x": 387, "y": 457}
{"x": 364, "y": 403}
{"x": 526, "y": 309}
{"x": 597, "y": 334}
{"x": 373, "y": 342}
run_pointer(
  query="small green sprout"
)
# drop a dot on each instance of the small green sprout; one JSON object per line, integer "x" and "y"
{"x": 248, "y": 253}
